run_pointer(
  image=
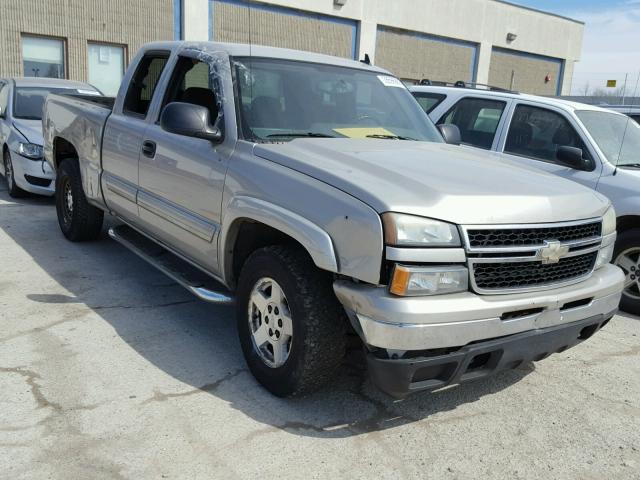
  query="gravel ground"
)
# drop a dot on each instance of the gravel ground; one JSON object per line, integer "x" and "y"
{"x": 108, "y": 369}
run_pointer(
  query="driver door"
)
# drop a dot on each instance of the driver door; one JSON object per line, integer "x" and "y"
{"x": 182, "y": 178}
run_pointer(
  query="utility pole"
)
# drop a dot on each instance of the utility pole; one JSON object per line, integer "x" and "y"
{"x": 624, "y": 88}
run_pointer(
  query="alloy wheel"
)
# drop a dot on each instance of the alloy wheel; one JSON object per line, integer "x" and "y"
{"x": 629, "y": 261}
{"x": 270, "y": 322}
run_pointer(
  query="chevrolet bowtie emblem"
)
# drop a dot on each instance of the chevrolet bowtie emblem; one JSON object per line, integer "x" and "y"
{"x": 552, "y": 251}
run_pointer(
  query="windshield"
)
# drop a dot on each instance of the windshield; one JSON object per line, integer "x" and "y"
{"x": 29, "y": 100}
{"x": 280, "y": 100}
{"x": 617, "y": 136}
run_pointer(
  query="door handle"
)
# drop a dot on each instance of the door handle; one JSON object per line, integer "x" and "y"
{"x": 149, "y": 148}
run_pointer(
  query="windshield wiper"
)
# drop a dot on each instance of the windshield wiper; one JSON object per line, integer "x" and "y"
{"x": 630, "y": 165}
{"x": 390, "y": 137}
{"x": 301, "y": 134}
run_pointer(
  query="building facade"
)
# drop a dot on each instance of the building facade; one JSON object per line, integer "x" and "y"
{"x": 85, "y": 40}
{"x": 484, "y": 41}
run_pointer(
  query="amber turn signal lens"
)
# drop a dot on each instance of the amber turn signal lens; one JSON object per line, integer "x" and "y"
{"x": 400, "y": 280}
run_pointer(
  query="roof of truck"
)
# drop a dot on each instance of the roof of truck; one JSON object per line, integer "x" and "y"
{"x": 245, "y": 50}
{"x": 47, "y": 82}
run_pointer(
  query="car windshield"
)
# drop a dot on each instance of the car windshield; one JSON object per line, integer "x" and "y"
{"x": 280, "y": 100}
{"x": 617, "y": 136}
{"x": 29, "y": 100}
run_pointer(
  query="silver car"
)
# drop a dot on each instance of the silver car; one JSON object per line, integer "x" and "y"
{"x": 21, "y": 101}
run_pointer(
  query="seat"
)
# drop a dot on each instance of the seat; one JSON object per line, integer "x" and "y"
{"x": 203, "y": 97}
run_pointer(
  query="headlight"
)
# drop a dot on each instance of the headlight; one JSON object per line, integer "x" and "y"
{"x": 605, "y": 254}
{"x": 410, "y": 231}
{"x": 30, "y": 150}
{"x": 412, "y": 281}
{"x": 609, "y": 222}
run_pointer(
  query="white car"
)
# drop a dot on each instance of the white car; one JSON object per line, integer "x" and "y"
{"x": 594, "y": 146}
{"x": 21, "y": 101}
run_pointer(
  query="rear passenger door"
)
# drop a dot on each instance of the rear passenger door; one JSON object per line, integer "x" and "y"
{"x": 429, "y": 100}
{"x": 122, "y": 140}
{"x": 534, "y": 134}
{"x": 478, "y": 120}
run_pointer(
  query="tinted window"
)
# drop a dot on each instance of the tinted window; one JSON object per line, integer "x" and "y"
{"x": 636, "y": 118}
{"x": 28, "y": 101}
{"x": 191, "y": 82}
{"x": 144, "y": 83}
{"x": 538, "y": 132}
{"x": 281, "y": 99}
{"x": 429, "y": 101}
{"x": 477, "y": 120}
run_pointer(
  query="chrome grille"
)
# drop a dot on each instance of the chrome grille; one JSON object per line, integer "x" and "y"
{"x": 515, "y": 258}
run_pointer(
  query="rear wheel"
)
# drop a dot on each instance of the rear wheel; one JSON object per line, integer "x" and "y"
{"x": 78, "y": 220}
{"x": 291, "y": 326}
{"x": 9, "y": 175}
{"x": 627, "y": 257}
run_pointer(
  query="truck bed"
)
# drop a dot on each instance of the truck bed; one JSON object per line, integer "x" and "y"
{"x": 106, "y": 102}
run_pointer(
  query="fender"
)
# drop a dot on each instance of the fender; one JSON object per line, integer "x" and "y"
{"x": 313, "y": 238}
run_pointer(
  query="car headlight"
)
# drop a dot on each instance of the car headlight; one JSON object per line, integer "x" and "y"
{"x": 440, "y": 280}
{"x": 609, "y": 222}
{"x": 410, "y": 231}
{"x": 30, "y": 150}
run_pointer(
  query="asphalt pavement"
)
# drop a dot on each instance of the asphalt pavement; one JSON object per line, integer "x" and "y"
{"x": 108, "y": 369}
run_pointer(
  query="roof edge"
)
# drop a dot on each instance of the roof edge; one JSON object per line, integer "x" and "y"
{"x": 531, "y": 9}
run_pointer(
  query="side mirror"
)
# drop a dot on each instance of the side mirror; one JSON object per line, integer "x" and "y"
{"x": 450, "y": 133}
{"x": 189, "y": 120}
{"x": 572, "y": 157}
{"x": 1, "y": 113}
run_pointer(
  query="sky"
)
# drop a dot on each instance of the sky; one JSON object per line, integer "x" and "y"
{"x": 611, "y": 46}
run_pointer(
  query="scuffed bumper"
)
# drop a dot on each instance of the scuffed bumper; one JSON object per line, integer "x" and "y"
{"x": 33, "y": 176}
{"x": 421, "y": 323}
{"x": 399, "y": 378}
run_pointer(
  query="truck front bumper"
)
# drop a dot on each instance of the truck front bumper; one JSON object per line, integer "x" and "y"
{"x": 399, "y": 378}
{"x": 415, "y": 327}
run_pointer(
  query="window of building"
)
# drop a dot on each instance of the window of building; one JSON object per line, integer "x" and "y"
{"x": 144, "y": 83}
{"x": 477, "y": 119}
{"x": 429, "y": 101}
{"x": 106, "y": 67}
{"x": 43, "y": 57}
{"x": 538, "y": 132}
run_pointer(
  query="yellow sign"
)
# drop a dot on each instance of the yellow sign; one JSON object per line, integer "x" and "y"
{"x": 363, "y": 132}
{"x": 611, "y": 83}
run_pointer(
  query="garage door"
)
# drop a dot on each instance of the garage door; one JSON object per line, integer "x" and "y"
{"x": 282, "y": 27}
{"x": 414, "y": 56}
{"x": 531, "y": 73}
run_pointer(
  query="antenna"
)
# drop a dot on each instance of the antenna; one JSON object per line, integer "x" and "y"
{"x": 366, "y": 59}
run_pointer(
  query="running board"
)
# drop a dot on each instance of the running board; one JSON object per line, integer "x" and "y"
{"x": 196, "y": 281}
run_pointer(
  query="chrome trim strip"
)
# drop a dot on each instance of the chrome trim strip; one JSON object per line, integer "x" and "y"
{"x": 189, "y": 221}
{"x": 120, "y": 187}
{"x": 426, "y": 255}
{"x": 531, "y": 258}
{"x": 529, "y": 248}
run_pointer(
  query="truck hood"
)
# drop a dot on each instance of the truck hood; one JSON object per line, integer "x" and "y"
{"x": 31, "y": 130}
{"x": 454, "y": 184}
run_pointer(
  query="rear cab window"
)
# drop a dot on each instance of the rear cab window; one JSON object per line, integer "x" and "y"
{"x": 477, "y": 119}
{"x": 144, "y": 83}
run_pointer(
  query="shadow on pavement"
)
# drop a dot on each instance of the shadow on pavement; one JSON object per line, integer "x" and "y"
{"x": 196, "y": 343}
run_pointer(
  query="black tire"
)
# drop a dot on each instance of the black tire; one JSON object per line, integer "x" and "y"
{"x": 629, "y": 241}
{"x": 14, "y": 190}
{"x": 82, "y": 221}
{"x": 318, "y": 341}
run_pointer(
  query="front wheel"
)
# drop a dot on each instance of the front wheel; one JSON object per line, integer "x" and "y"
{"x": 627, "y": 256}
{"x": 14, "y": 190}
{"x": 290, "y": 324}
{"x": 78, "y": 220}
